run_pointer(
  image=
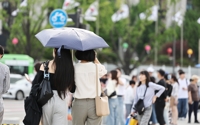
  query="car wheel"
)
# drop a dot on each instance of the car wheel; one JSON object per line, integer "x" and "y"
{"x": 19, "y": 95}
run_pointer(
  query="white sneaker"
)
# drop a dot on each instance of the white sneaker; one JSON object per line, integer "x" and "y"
{"x": 182, "y": 119}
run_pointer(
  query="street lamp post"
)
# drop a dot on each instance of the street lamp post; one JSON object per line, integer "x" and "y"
{"x": 189, "y": 52}
{"x": 169, "y": 51}
{"x": 198, "y": 21}
{"x": 147, "y": 48}
{"x": 199, "y": 51}
{"x": 182, "y": 44}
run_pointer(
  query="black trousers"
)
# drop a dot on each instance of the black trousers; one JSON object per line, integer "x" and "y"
{"x": 193, "y": 107}
{"x": 159, "y": 106}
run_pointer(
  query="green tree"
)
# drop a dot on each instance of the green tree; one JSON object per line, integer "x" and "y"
{"x": 192, "y": 28}
{"x": 29, "y": 21}
{"x": 124, "y": 36}
{"x": 127, "y": 37}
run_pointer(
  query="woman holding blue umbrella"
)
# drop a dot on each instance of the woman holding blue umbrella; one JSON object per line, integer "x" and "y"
{"x": 83, "y": 107}
{"x": 61, "y": 70}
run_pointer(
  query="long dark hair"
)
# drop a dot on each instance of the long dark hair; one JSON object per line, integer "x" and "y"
{"x": 64, "y": 72}
{"x": 174, "y": 78}
{"x": 147, "y": 78}
{"x": 114, "y": 76}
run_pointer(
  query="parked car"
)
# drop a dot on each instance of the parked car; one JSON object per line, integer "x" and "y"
{"x": 19, "y": 87}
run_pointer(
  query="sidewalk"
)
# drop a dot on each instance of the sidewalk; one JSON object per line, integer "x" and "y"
{"x": 183, "y": 122}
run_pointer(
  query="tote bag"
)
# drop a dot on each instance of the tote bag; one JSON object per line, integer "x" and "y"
{"x": 102, "y": 107}
{"x": 45, "y": 91}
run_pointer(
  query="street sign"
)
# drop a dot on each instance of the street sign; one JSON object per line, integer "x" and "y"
{"x": 58, "y": 18}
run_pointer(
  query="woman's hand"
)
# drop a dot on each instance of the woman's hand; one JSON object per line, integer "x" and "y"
{"x": 190, "y": 101}
{"x": 154, "y": 99}
{"x": 132, "y": 114}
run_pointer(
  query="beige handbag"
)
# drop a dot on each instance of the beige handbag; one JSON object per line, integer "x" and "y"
{"x": 102, "y": 107}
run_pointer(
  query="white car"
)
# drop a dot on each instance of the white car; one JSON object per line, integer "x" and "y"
{"x": 19, "y": 87}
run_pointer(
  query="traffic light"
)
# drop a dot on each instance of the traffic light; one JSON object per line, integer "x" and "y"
{"x": 7, "y": 7}
{"x": 76, "y": 18}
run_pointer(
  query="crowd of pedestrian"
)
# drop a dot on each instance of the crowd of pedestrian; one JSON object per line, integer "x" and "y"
{"x": 167, "y": 98}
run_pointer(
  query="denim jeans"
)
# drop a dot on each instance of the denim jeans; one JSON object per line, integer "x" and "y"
{"x": 113, "y": 117}
{"x": 128, "y": 109}
{"x": 121, "y": 111}
{"x": 166, "y": 113}
{"x": 182, "y": 107}
{"x": 153, "y": 118}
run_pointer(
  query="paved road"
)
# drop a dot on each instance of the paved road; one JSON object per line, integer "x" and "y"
{"x": 15, "y": 110}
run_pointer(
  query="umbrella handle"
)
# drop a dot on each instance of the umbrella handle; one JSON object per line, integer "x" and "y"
{"x": 59, "y": 51}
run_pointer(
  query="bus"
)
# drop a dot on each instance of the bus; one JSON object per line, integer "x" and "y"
{"x": 19, "y": 63}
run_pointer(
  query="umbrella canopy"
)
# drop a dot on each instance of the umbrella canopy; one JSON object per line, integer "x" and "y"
{"x": 71, "y": 38}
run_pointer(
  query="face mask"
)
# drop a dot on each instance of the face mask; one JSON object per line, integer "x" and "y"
{"x": 169, "y": 76}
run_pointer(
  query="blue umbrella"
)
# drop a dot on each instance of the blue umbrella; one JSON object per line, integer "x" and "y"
{"x": 71, "y": 38}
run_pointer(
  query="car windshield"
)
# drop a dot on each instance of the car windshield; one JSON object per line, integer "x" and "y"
{"x": 14, "y": 80}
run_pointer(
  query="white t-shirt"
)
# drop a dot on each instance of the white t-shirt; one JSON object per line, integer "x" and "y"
{"x": 85, "y": 80}
{"x": 129, "y": 95}
{"x": 111, "y": 86}
{"x": 121, "y": 88}
{"x": 175, "y": 90}
{"x": 183, "y": 93}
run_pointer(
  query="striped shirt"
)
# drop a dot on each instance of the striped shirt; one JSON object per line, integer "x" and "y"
{"x": 4, "y": 79}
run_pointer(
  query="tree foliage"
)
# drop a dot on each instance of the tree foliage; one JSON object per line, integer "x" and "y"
{"x": 132, "y": 31}
{"x": 29, "y": 21}
{"x": 191, "y": 31}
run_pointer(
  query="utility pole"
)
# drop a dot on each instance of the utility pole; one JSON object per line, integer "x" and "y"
{"x": 156, "y": 33}
{"x": 182, "y": 44}
{"x": 1, "y": 26}
{"x": 199, "y": 51}
{"x": 174, "y": 45}
{"x": 97, "y": 19}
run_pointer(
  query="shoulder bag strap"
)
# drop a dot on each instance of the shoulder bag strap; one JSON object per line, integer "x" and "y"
{"x": 96, "y": 80}
{"x": 145, "y": 91}
{"x": 46, "y": 69}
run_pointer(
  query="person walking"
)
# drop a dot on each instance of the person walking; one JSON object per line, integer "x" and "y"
{"x": 153, "y": 120}
{"x": 160, "y": 102}
{"x": 83, "y": 106}
{"x": 113, "y": 117}
{"x": 167, "y": 111}
{"x": 149, "y": 98}
{"x": 61, "y": 71}
{"x": 4, "y": 82}
{"x": 193, "y": 98}
{"x": 129, "y": 97}
{"x": 120, "y": 96}
{"x": 183, "y": 95}
{"x": 36, "y": 70}
{"x": 134, "y": 78}
{"x": 174, "y": 99}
